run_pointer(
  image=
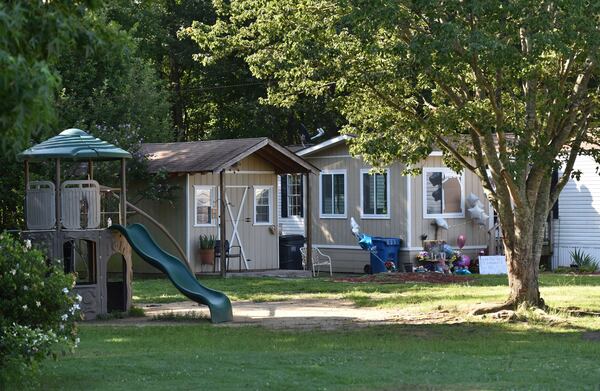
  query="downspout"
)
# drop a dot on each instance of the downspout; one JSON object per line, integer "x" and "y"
{"x": 408, "y": 213}
{"x": 187, "y": 216}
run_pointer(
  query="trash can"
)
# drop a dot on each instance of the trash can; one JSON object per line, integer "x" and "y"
{"x": 387, "y": 249}
{"x": 290, "y": 257}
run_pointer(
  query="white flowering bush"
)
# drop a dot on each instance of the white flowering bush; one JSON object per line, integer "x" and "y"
{"x": 38, "y": 310}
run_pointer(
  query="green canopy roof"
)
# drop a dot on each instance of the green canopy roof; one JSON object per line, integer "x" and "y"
{"x": 74, "y": 144}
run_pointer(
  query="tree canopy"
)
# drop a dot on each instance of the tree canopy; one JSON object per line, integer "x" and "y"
{"x": 32, "y": 36}
{"x": 507, "y": 90}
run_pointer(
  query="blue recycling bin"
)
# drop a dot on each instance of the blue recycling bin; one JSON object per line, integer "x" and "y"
{"x": 386, "y": 249}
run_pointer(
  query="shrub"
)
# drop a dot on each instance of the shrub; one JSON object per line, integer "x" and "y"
{"x": 37, "y": 311}
{"x": 583, "y": 262}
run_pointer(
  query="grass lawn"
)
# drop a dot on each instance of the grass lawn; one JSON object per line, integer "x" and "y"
{"x": 479, "y": 354}
{"x": 204, "y": 357}
{"x": 559, "y": 291}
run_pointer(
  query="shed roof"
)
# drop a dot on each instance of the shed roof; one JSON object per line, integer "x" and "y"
{"x": 218, "y": 155}
{"x": 74, "y": 144}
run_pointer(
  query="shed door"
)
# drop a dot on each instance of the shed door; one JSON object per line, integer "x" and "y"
{"x": 239, "y": 224}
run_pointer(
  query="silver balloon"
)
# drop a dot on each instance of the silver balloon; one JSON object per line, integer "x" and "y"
{"x": 441, "y": 223}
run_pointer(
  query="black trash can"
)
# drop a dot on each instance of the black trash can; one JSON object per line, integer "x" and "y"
{"x": 290, "y": 257}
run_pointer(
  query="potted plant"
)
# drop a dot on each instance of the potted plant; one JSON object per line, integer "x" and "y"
{"x": 207, "y": 249}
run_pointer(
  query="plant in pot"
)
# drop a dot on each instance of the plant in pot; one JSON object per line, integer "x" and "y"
{"x": 207, "y": 249}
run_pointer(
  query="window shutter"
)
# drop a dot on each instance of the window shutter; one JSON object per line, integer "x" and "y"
{"x": 284, "y": 198}
{"x": 301, "y": 190}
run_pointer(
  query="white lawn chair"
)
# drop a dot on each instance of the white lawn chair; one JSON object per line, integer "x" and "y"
{"x": 318, "y": 259}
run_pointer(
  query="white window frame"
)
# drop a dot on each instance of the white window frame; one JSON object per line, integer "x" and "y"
{"x": 299, "y": 195}
{"x": 270, "y": 189}
{"x": 364, "y": 215}
{"x": 444, "y": 170}
{"x": 214, "y": 205}
{"x": 333, "y": 215}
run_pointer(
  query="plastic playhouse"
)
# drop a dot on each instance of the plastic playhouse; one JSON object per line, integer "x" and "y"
{"x": 72, "y": 220}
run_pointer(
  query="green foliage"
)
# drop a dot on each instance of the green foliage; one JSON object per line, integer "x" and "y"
{"x": 115, "y": 94}
{"x": 110, "y": 90}
{"x": 207, "y": 242}
{"x": 136, "y": 312}
{"x": 507, "y": 90}
{"x": 222, "y": 100}
{"x": 32, "y": 36}
{"x": 188, "y": 316}
{"x": 13, "y": 194}
{"x": 583, "y": 262}
{"x": 406, "y": 75}
{"x": 37, "y": 311}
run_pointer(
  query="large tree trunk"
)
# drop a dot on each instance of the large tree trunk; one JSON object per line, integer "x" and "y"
{"x": 523, "y": 249}
{"x": 523, "y": 265}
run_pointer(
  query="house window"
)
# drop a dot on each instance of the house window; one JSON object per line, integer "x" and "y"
{"x": 204, "y": 205}
{"x": 80, "y": 258}
{"x": 291, "y": 195}
{"x": 333, "y": 194}
{"x": 263, "y": 205}
{"x": 443, "y": 193}
{"x": 375, "y": 194}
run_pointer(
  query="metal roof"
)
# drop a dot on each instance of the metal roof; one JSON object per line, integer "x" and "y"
{"x": 325, "y": 144}
{"x": 74, "y": 144}
{"x": 218, "y": 155}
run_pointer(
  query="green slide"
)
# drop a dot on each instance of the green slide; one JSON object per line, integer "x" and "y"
{"x": 142, "y": 243}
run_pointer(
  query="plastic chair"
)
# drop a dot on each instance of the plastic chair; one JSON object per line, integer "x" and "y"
{"x": 318, "y": 259}
{"x": 228, "y": 253}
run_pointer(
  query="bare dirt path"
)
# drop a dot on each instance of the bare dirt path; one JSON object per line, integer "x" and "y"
{"x": 322, "y": 314}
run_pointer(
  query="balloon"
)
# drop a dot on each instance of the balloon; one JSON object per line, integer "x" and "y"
{"x": 483, "y": 219}
{"x": 465, "y": 260}
{"x": 472, "y": 200}
{"x": 475, "y": 212}
{"x": 355, "y": 227}
{"x": 448, "y": 250}
{"x": 436, "y": 178}
{"x": 441, "y": 223}
{"x": 460, "y": 241}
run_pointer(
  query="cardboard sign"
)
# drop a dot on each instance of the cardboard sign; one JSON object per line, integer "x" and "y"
{"x": 492, "y": 264}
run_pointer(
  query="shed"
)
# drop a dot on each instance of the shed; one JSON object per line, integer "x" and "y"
{"x": 228, "y": 189}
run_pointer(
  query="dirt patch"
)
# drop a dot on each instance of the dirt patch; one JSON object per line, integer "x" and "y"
{"x": 399, "y": 278}
{"x": 303, "y": 314}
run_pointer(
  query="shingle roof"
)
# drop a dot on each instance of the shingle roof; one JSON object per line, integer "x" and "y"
{"x": 217, "y": 155}
{"x": 74, "y": 144}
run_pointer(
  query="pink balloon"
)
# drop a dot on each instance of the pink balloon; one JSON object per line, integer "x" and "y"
{"x": 466, "y": 260}
{"x": 460, "y": 241}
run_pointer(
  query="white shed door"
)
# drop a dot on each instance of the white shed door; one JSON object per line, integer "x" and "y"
{"x": 237, "y": 201}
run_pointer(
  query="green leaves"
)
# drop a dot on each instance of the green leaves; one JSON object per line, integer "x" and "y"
{"x": 32, "y": 36}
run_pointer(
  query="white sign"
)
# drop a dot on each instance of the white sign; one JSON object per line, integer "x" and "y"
{"x": 492, "y": 264}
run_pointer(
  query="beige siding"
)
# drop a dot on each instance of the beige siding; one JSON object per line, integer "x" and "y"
{"x": 334, "y": 235}
{"x": 171, "y": 214}
{"x": 354, "y": 260}
{"x": 259, "y": 242}
{"x": 476, "y": 235}
{"x": 406, "y": 211}
{"x": 337, "y": 231}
